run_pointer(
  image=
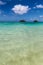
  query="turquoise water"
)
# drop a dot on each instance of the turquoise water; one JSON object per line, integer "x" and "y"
{"x": 21, "y": 43}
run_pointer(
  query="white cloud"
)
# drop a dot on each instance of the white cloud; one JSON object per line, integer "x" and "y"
{"x": 2, "y": 3}
{"x": 34, "y": 7}
{"x": 4, "y": 15}
{"x": 20, "y": 9}
{"x": 39, "y": 6}
{"x": 41, "y": 16}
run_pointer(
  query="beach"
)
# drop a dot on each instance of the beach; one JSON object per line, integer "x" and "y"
{"x": 21, "y": 44}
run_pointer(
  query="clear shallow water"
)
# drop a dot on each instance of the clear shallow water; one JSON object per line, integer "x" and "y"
{"x": 21, "y": 44}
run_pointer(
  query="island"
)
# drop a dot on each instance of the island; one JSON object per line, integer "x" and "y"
{"x": 35, "y": 21}
{"x": 22, "y": 21}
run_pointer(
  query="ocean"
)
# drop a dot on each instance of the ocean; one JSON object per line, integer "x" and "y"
{"x": 21, "y": 43}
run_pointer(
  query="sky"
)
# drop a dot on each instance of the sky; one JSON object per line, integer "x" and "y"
{"x": 15, "y": 10}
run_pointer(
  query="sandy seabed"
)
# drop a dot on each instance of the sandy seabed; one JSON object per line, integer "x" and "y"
{"x": 21, "y": 44}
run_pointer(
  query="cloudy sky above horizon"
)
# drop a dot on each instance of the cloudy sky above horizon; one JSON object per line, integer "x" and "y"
{"x": 15, "y": 10}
